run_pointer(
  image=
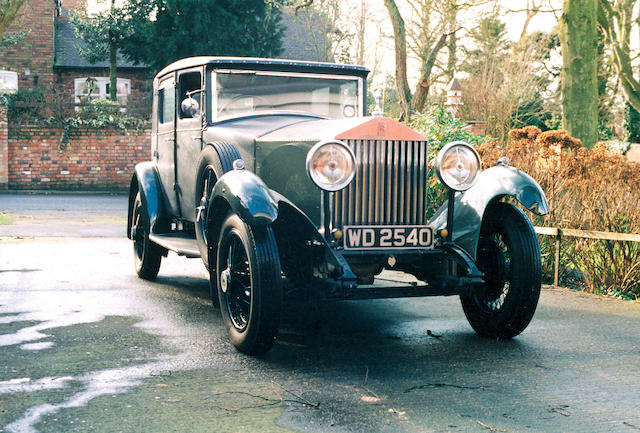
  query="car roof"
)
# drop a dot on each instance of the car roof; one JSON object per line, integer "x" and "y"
{"x": 265, "y": 64}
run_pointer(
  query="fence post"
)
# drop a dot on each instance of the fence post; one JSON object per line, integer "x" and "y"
{"x": 556, "y": 264}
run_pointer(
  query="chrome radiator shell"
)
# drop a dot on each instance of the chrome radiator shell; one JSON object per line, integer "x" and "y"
{"x": 390, "y": 185}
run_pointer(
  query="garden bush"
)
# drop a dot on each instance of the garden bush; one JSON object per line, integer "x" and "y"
{"x": 441, "y": 127}
{"x": 589, "y": 189}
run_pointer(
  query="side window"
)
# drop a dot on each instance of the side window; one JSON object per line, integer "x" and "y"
{"x": 190, "y": 84}
{"x": 166, "y": 104}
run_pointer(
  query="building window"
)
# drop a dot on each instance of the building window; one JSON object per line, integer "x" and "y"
{"x": 89, "y": 88}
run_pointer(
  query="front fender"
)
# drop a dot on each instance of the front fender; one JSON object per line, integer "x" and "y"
{"x": 493, "y": 183}
{"x": 248, "y": 197}
{"x": 145, "y": 180}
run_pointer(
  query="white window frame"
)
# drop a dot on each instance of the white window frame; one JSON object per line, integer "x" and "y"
{"x": 101, "y": 89}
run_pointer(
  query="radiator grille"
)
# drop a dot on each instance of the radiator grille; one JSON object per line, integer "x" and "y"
{"x": 389, "y": 186}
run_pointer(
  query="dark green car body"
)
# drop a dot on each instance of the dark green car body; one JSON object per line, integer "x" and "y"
{"x": 259, "y": 138}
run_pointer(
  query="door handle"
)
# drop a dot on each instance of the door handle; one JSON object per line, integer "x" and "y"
{"x": 168, "y": 139}
{"x": 195, "y": 137}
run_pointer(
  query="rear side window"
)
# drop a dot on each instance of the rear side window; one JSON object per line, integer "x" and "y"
{"x": 166, "y": 104}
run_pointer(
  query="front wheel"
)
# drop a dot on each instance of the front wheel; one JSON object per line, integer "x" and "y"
{"x": 509, "y": 256}
{"x": 249, "y": 285}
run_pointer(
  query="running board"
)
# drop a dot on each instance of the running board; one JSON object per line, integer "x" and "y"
{"x": 181, "y": 244}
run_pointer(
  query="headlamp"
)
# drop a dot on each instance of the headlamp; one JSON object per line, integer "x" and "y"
{"x": 331, "y": 165}
{"x": 458, "y": 165}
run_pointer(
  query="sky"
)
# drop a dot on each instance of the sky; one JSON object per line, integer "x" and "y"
{"x": 514, "y": 21}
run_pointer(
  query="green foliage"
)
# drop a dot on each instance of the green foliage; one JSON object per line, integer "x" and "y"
{"x": 184, "y": 28}
{"x": 440, "y": 127}
{"x": 607, "y": 91}
{"x": 490, "y": 39}
{"x": 632, "y": 124}
{"x": 100, "y": 31}
{"x": 100, "y": 113}
{"x": 532, "y": 112}
{"x": 9, "y": 11}
{"x": 104, "y": 34}
{"x": 26, "y": 104}
{"x": 9, "y": 39}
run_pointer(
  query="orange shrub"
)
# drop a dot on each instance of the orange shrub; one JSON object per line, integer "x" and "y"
{"x": 588, "y": 189}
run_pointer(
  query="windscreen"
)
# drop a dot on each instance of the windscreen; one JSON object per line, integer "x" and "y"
{"x": 241, "y": 93}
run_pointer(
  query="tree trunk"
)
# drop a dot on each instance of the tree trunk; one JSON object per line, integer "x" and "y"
{"x": 618, "y": 37}
{"x": 400, "y": 40}
{"x": 113, "y": 72}
{"x": 579, "y": 38}
{"x": 452, "y": 46}
{"x": 361, "y": 32}
{"x": 422, "y": 89}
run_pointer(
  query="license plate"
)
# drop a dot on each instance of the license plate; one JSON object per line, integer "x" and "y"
{"x": 387, "y": 237}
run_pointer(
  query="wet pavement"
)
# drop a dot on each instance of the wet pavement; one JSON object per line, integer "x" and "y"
{"x": 87, "y": 346}
{"x": 68, "y": 215}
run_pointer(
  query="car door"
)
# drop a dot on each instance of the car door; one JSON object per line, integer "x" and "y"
{"x": 189, "y": 138}
{"x": 165, "y": 142}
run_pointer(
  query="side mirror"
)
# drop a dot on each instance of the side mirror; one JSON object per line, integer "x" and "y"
{"x": 189, "y": 107}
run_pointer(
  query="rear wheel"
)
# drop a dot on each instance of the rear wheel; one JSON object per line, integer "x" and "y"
{"x": 249, "y": 285}
{"x": 146, "y": 254}
{"x": 509, "y": 256}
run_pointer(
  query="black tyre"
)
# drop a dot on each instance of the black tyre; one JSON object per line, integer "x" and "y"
{"x": 147, "y": 255}
{"x": 215, "y": 160}
{"x": 509, "y": 256}
{"x": 249, "y": 285}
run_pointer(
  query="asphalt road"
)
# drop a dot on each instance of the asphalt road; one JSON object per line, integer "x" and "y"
{"x": 87, "y": 346}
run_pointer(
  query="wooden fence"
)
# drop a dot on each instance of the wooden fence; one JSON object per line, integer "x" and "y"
{"x": 558, "y": 234}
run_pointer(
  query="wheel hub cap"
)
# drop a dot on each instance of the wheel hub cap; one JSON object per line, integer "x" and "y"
{"x": 225, "y": 280}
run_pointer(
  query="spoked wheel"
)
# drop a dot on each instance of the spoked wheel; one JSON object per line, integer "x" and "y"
{"x": 249, "y": 286}
{"x": 509, "y": 256}
{"x": 146, "y": 254}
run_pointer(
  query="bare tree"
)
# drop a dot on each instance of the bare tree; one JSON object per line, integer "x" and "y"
{"x": 532, "y": 9}
{"x": 434, "y": 27}
{"x": 425, "y": 47}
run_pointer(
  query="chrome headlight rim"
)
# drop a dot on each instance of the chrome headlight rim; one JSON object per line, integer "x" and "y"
{"x": 310, "y": 158}
{"x": 443, "y": 152}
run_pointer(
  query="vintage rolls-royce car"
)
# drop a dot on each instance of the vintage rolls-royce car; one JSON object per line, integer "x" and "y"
{"x": 270, "y": 172}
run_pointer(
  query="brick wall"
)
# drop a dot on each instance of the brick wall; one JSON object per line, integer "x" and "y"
{"x": 94, "y": 159}
{"x": 4, "y": 149}
{"x": 33, "y": 56}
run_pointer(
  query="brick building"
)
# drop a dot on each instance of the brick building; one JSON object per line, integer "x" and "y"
{"x": 38, "y": 156}
{"x": 47, "y": 55}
